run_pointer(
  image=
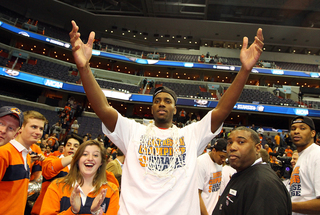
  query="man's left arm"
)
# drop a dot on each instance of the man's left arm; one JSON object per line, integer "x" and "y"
{"x": 307, "y": 207}
{"x": 248, "y": 57}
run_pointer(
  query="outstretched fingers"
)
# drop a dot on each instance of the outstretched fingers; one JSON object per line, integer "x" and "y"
{"x": 91, "y": 39}
{"x": 260, "y": 35}
{"x": 74, "y": 36}
{"x": 258, "y": 40}
{"x": 245, "y": 43}
{"x": 74, "y": 30}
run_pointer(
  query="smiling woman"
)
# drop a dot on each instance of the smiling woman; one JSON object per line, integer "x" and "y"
{"x": 85, "y": 190}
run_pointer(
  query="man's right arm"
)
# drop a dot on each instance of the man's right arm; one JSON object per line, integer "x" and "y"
{"x": 82, "y": 54}
{"x": 203, "y": 208}
{"x": 52, "y": 165}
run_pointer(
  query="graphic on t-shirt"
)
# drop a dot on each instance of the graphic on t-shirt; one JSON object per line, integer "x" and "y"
{"x": 215, "y": 181}
{"x": 295, "y": 183}
{"x": 160, "y": 153}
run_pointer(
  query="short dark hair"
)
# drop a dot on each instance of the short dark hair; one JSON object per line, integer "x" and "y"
{"x": 74, "y": 136}
{"x": 254, "y": 134}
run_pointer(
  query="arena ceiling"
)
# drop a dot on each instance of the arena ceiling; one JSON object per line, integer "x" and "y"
{"x": 288, "y": 24}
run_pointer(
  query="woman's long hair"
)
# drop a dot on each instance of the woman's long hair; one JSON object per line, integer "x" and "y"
{"x": 74, "y": 174}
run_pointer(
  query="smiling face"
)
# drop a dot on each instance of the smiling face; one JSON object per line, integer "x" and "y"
{"x": 242, "y": 149}
{"x": 302, "y": 135}
{"x": 90, "y": 161}
{"x": 163, "y": 108}
{"x": 71, "y": 146}
{"x": 9, "y": 126}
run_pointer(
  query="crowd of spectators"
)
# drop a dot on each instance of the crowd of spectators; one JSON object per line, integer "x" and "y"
{"x": 103, "y": 151}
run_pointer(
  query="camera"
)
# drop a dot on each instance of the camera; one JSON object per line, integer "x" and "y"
{"x": 284, "y": 168}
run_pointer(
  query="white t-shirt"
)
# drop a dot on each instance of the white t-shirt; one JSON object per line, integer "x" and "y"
{"x": 148, "y": 194}
{"x": 74, "y": 127}
{"x": 260, "y": 130}
{"x": 209, "y": 181}
{"x": 305, "y": 178}
{"x": 227, "y": 172}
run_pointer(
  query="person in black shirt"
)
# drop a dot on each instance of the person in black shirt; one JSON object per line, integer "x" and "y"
{"x": 255, "y": 188}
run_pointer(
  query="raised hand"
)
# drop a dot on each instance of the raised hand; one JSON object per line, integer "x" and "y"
{"x": 249, "y": 56}
{"x": 98, "y": 200}
{"x": 81, "y": 52}
{"x": 75, "y": 200}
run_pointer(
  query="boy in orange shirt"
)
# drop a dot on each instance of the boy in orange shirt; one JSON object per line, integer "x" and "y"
{"x": 15, "y": 163}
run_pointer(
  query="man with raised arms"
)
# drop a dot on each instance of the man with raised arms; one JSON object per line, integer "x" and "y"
{"x": 158, "y": 175}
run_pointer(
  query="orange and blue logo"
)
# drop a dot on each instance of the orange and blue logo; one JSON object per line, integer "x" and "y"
{"x": 215, "y": 182}
{"x": 295, "y": 182}
{"x": 161, "y": 152}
